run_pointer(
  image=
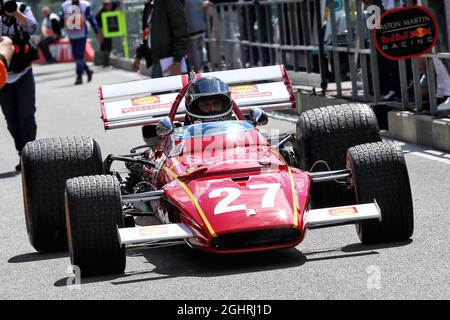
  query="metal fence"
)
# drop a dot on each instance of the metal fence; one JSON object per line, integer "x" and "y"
{"x": 259, "y": 33}
{"x": 133, "y": 12}
{"x": 325, "y": 40}
{"x": 322, "y": 36}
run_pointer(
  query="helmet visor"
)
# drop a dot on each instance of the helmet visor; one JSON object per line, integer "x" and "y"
{"x": 210, "y": 106}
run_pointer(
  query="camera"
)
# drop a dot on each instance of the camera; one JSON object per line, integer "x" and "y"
{"x": 8, "y": 6}
{"x": 25, "y": 51}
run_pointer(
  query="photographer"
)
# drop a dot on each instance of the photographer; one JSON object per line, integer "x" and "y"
{"x": 17, "y": 97}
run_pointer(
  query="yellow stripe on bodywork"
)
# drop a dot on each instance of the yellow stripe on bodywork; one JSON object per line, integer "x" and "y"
{"x": 193, "y": 200}
{"x": 294, "y": 197}
{"x": 293, "y": 189}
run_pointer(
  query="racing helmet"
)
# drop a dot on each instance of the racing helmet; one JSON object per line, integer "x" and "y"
{"x": 208, "y": 99}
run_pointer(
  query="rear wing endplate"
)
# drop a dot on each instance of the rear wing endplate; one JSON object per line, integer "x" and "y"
{"x": 146, "y": 102}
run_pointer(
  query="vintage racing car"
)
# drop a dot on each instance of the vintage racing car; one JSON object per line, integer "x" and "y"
{"x": 222, "y": 187}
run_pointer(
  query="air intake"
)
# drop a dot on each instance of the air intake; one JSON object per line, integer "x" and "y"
{"x": 257, "y": 238}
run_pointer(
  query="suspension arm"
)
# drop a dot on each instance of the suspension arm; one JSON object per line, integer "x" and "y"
{"x": 329, "y": 175}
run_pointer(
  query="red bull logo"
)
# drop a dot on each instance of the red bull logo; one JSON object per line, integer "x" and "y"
{"x": 395, "y": 37}
{"x": 420, "y": 32}
{"x": 406, "y": 33}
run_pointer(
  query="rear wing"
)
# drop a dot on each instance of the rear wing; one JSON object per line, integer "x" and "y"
{"x": 146, "y": 102}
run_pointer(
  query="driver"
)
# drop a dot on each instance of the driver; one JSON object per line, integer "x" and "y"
{"x": 208, "y": 99}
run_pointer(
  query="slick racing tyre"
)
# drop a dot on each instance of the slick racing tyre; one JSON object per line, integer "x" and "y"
{"x": 93, "y": 214}
{"x": 46, "y": 165}
{"x": 323, "y": 137}
{"x": 379, "y": 172}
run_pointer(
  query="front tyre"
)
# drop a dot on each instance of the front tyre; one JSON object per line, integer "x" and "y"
{"x": 93, "y": 214}
{"x": 379, "y": 172}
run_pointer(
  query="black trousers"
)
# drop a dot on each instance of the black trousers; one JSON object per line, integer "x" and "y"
{"x": 18, "y": 104}
{"x": 43, "y": 45}
{"x": 106, "y": 45}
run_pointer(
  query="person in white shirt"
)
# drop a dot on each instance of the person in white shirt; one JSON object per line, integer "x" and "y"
{"x": 73, "y": 17}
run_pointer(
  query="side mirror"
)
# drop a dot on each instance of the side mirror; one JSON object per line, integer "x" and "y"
{"x": 258, "y": 116}
{"x": 149, "y": 134}
{"x": 164, "y": 127}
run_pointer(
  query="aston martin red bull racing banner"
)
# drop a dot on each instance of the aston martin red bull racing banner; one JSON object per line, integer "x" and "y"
{"x": 406, "y": 33}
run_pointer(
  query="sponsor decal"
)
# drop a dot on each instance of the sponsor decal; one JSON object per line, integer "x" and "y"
{"x": 342, "y": 211}
{"x": 153, "y": 231}
{"x": 145, "y": 101}
{"x": 243, "y": 89}
{"x": 251, "y": 95}
{"x": 147, "y": 107}
{"x": 245, "y": 92}
{"x": 406, "y": 33}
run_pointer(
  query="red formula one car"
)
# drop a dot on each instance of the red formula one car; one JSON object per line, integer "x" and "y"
{"x": 222, "y": 187}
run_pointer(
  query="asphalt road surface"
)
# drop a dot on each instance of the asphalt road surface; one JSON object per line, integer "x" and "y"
{"x": 330, "y": 264}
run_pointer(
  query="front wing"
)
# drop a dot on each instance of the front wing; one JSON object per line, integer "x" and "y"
{"x": 313, "y": 219}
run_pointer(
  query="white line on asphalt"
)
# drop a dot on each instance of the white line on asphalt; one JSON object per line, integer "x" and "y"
{"x": 423, "y": 152}
{"x": 430, "y": 157}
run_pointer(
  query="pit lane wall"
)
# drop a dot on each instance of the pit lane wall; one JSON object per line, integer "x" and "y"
{"x": 420, "y": 129}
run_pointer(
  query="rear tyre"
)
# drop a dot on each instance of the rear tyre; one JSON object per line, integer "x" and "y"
{"x": 46, "y": 165}
{"x": 379, "y": 172}
{"x": 93, "y": 214}
{"x": 323, "y": 136}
